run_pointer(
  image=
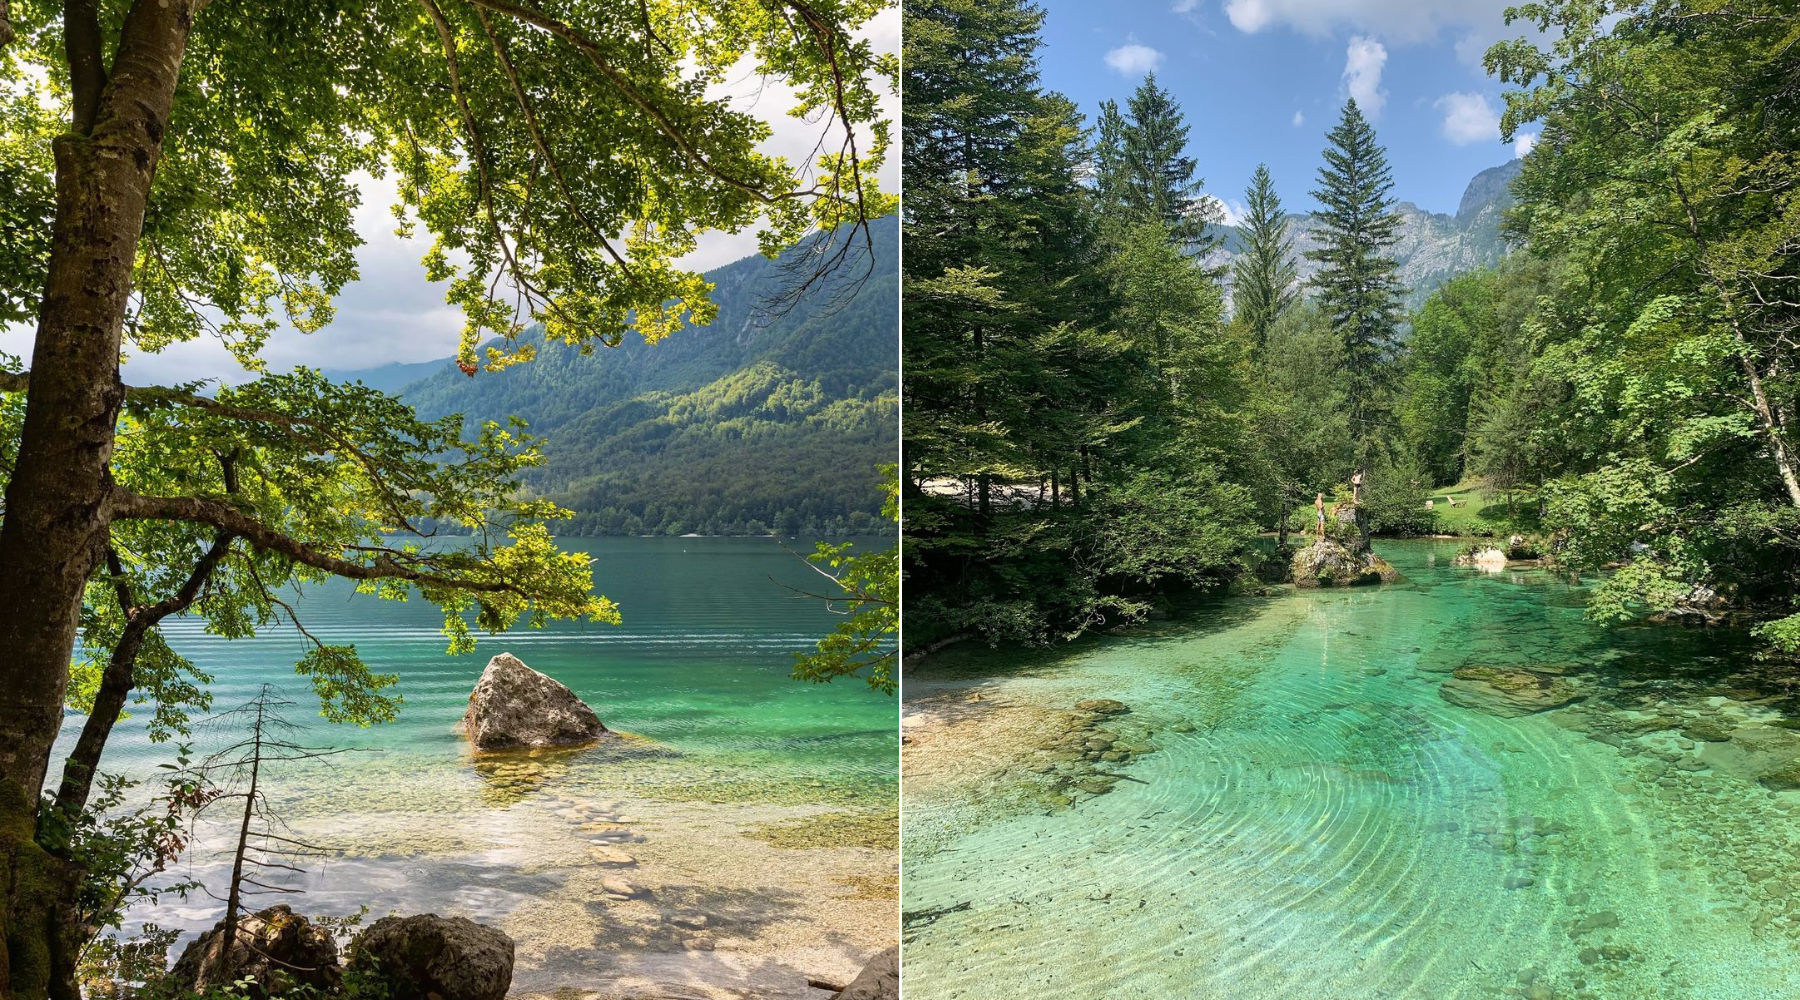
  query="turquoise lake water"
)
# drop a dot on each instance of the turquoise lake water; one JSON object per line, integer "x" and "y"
{"x": 1299, "y": 814}
{"x": 730, "y": 744}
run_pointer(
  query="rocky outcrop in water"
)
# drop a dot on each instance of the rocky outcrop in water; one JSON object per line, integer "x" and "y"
{"x": 428, "y": 957}
{"x": 1507, "y": 692}
{"x": 1332, "y": 563}
{"x": 515, "y": 706}
{"x": 878, "y": 980}
{"x": 278, "y": 950}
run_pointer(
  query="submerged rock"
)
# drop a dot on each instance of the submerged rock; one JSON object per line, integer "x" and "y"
{"x": 1331, "y": 563}
{"x": 1506, "y": 692}
{"x": 278, "y": 950}
{"x": 1103, "y": 706}
{"x": 1784, "y": 779}
{"x": 1487, "y": 558}
{"x": 515, "y": 706}
{"x": 878, "y": 980}
{"x": 428, "y": 957}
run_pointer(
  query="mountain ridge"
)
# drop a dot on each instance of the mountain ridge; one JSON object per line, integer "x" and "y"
{"x": 1433, "y": 247}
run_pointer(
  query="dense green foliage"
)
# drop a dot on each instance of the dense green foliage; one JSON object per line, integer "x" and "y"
{"x": 1071, "y": 391}
{"x": 1626, "y": 384}
{"x": 773, "y": 418}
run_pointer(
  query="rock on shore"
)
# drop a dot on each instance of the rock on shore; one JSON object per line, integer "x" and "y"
{"x": 276, "y": 949}
{"x": 428, "y": 957}
{"x": 515, "y": 706}
{"x": 879, "y": 980}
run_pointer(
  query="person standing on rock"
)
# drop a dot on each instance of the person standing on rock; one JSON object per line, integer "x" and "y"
{"x": 1319, "y": 505}
{"x": 1356, "y": 487}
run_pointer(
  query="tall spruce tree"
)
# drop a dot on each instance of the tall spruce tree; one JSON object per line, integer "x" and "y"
{"x": 1263, "y": 275}
{"x": 1141, "y": 166}
{"x": 1358, "y": 282}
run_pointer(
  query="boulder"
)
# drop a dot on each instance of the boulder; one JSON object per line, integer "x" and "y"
{"x": 428, "y": 957}
{"x": 277, "y": 949}
{"x": 1507, "y": 692}
{"x": 879, "y": 980}
{"x": 515, "y": 706}
{"x": 1487, "y": 558}
{"x": 1331, "y": 563}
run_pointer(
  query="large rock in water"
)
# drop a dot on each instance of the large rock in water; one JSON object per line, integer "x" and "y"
{"x": 1331, "y": 563}
{"x": 277, "y": 949}
{"x": 515, "y": 706}
{"x": 1507, "y": 692}
{"x": 428, "y": 957}
{"x": 879, "y": 980}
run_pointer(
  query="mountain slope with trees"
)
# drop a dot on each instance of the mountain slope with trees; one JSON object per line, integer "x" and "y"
{"x": 773, "y": 418}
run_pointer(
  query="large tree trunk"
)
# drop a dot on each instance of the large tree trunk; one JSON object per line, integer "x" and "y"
{"x": 56, "y": 504}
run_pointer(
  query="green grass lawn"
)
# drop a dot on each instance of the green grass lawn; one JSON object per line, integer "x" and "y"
{"x": 1478, "y": 512}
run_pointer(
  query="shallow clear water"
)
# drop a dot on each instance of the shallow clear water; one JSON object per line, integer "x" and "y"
{"x": 699, "y": 669}
{"x": 1309, "y": 818}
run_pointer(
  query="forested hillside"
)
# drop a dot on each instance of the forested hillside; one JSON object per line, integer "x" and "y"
{"x": 769, "y": 419}
{"x": 1086, "y": 427}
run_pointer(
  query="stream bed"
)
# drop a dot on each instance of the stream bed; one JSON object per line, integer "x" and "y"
{"x": 1268, "y": 797}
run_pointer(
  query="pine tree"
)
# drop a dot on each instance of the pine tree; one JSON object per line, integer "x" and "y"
{"x": 1358, "y": 282}
{"x": 1263, "y": 275}
{"x": 1141, "y": 166}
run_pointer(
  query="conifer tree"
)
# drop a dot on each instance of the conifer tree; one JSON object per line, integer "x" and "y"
{"x": 1358, "y": 283}
{"x": 1263, "y": 275}
{"x": 1141, "y": 166}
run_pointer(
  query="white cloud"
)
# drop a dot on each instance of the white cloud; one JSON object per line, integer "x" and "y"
{"x": 1403, "y": 22}
{"x": 1468, "y": 118}
{"x": 1185, "y": 6}
{"x": 1299, "y": 118}
{"x": 1231, "y": 213}
{"x": 1133, "y": 59}
{"x": 1523, "y": 144}
{"x": 1363, "y": 61}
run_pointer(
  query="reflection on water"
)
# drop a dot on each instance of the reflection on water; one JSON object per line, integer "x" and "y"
{"x": 640, "y": 863}
{"x": 1311, "y": 818}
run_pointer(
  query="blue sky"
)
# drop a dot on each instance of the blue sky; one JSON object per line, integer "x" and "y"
{"x": 1264, "y": 80}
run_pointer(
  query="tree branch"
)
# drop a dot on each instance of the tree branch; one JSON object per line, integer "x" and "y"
{"x": 543, "y": 145}
{"x": 87, "y": 67}
{"x": 126, "y": 505}
{"x": 597, "y": 57}
{"x": 117, "y": 680}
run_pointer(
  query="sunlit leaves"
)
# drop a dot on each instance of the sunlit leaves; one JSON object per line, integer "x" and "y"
{"x": 865, "y": 588}
{"x": 560, "y": 172}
